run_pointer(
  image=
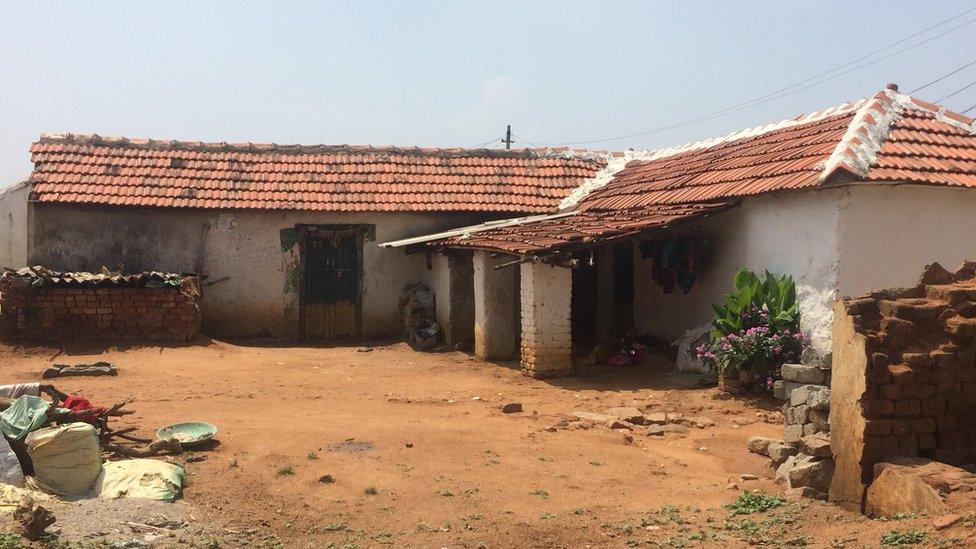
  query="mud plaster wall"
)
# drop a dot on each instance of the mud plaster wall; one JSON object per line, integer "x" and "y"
{"x": 453, "y": 284}
{"x": 794, "y": 233}
{"x": 904, "y": 378}
{"x": 13, "y": 225}
{"x": 257, "y": 250}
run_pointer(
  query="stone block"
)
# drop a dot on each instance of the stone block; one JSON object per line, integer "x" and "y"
{"x": 759, "y": 445}
{"x": 816, "y": 446}
{"x": 782, "y": 389}
{"x": 792, "y": 433}
{"x": 803, "y": 373}
{"x": 820, "y": 420}
{"x": 779, "y": 451}
{"x": 628, "y": 414}
{"x": 819, "y": 399}
{"x": 812, "y": 472}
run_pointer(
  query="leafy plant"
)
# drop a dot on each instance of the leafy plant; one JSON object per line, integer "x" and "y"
{"x": 753, "y": 502}
{"x": 757, "y": 328}
{"x": 907, "y": 537}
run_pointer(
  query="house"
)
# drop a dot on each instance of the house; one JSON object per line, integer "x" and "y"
{"x": 846, "y": 200}
{"x": 285, "y": 235}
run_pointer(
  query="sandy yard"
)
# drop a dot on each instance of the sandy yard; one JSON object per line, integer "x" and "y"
{"x": 422, "y": 456}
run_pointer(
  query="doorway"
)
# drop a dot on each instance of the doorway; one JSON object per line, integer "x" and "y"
{"x": 331, "y": 290}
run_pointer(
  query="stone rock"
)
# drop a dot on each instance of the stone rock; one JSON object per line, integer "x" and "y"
{"x": 780, "y": 451}
{"x": 820, "y": 420}
{"x": 511, "y": 407}
{"x": 697, "y": 421}
{"x": 674, "y": 417}
{"x": 812, "y": 472}
{"x": 731, "y": 486}
{"x": 901, "y": 489}
{"x": 803, "y": 373}
{"x": 759, "y": 445}
{"x": 628, "y": 438}
{"x": 945, "y": 521}
{"x": 326, "y": 479}
{"x": 816, "y": 446}
{"x": 592, "y": 416}
{"x": 625, "y": 413}
{"x": 655, "y": 418}
{"x": 792, "y": 433}
{"x": 618, "y": 424}
{"x": 32, "y": 519}
{"x": 783, "y": 471}
{"x": 819, "y": 399}
{"x": 806, "y": 492}
{"x": 747, "y": 476}
{"x": 797, "y": 415}
{"x": 783, "y": 390}
{"x": 936, "y": 274}
{"x": 660, "y": 430}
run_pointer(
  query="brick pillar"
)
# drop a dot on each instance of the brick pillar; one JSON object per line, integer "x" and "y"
{"x": 495, "y": 308}
{"x": 604, "y": 298}
{"x": 546, "y": 293}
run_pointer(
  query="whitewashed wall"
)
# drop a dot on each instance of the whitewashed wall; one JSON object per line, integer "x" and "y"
{"x": 13, "y": 225}
{"x": 791, "y": 233}
{"x": 888, "y": 234}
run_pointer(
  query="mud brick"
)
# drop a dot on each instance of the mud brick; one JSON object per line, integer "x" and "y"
{"x": 901, "y": 373}
{"x": 919, "y": 391}
{"x": 950, "y": 389}
{"x": 946, "y": 424}
{"x": 952, "y": 456}
{"x": 873, "y": 450}
{"x": 926, "y": 442}
{"x": 908, "y": 445}
{"x": 923, "y": 425}
{"x": 891, "y": 391}
{"x": 876, "y": 408}
{"x": 901, "y": 427}
{"x": 890, "y": 446}
{"x": 966, "y": 358}
{"x": 907, "y": 408}
{"x": 879, "y": 375}
{"x": 951, "y": 439}
{"x": 865, "y": 306}
{"x": 917, "y": 360}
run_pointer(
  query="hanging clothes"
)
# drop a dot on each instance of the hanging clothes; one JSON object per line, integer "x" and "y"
{"x": 675, "y": 262}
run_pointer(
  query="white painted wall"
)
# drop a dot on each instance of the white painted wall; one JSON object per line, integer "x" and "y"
{"x": 440, "y": 282}
{"x": 546, "y": 342}
{"x": 13, "y": 225}
{"x": 888, "y": 234}
{"x": 496, "y": 307}
{"x": 790, "y": 233}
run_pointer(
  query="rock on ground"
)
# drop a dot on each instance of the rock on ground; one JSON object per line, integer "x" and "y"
{"x": 759, "y": 445}
{"x": 812, "y": 472}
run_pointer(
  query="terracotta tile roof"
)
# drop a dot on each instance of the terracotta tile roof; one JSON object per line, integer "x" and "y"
{"x": 119, "y": 171}
{"x": 566, "y": 232}
{"x": 889, "y": 137}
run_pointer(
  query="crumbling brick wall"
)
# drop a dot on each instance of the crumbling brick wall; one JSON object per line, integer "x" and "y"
{"x": 904, "y": 377}
{"x": 103, "y": 312}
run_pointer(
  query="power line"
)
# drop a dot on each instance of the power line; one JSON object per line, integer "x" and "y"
{"x": 486, "y": 143}
{"x": 943, "y": 77}
{"x": 962, "y": 89}
{"x": 973, "y": 107}
{"x": 793, "y": 88}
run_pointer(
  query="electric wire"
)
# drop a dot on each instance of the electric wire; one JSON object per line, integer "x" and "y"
{"x": 960, "y": 90}
{"x": 943, "y": 77}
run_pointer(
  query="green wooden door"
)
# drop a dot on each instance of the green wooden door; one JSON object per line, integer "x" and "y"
{"x": 330, "y": 286}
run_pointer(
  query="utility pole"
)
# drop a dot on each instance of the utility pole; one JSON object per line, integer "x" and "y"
{"x": 508, "y": 138}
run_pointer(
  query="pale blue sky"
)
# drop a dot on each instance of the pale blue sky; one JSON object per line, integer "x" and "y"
{"x": 447, "y": 73}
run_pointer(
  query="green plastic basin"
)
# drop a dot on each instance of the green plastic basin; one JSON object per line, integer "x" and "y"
{"x": 190, "y": 433}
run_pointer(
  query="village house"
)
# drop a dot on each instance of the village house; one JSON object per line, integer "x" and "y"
{"x": 557, "y": 250}
{"x": 284, "y": 235}
{"x": 846, "y": 200}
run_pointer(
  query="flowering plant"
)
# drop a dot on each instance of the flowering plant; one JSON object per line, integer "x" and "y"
{"x": 758, "y": 328}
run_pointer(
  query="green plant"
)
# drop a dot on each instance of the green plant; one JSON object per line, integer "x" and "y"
{"x": 286, "y": 471}
{"x": 753, "y": 502}
{"x": 757, "y": 328}
{"x": 907, "y": 537}
{"x": 371, "y": 491}
{"x": 313, "y": 456}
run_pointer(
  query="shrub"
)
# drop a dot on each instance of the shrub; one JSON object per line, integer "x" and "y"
{"x": 757, "y": 328}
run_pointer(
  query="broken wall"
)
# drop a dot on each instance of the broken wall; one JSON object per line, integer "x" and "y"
{"x": 903, "y": 377}
{"x": 13, "y": 225}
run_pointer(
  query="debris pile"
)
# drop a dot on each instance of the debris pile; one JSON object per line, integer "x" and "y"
{"x": 51, "y": 449}
{"x": 629, "y": 420}
{"x": 805, "y": 466}
{"x": 806, "y": 390}
{"x": 419, "y": 324}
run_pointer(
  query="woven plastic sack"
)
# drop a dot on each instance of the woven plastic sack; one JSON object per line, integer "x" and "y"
{"x": 67, "y": 459}
{"x": 140, "y": 478}
{"x": 10, "y": 471}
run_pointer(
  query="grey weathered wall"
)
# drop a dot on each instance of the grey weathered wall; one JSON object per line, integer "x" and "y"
{"x": 261, "y": 294}
{"x": 13, "y": 225}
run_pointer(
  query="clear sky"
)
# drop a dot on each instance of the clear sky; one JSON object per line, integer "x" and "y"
{"x": 450, "y": 73}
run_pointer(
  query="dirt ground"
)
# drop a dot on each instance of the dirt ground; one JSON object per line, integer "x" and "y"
{"x": 422, "y": 456}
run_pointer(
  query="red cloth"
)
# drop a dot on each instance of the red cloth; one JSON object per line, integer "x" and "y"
{"x": 81, "y": 404}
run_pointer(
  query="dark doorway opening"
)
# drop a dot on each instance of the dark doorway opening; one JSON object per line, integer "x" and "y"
{"x": 623, "y": 287}
{"x": 583, "y": 308}
{"x": 331, "y": 290}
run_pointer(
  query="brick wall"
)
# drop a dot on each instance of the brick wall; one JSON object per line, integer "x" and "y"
{"x": 547, "y": 345}
{"x": 55, "y": 313}
{"x": 904, "y": 376}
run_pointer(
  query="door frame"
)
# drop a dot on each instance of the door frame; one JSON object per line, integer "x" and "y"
{"x": 305, "y": 231}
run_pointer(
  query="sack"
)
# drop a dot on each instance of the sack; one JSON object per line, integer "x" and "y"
{"x": 10, "y": 470}
{"x": 26, "y": 414}
{"x": 67, "y": 459}
{"x": 140, "y": 478}
{"x": 694, "y": 337}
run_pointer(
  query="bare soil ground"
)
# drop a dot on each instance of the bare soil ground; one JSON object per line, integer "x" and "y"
{"x": 421, "y": 455}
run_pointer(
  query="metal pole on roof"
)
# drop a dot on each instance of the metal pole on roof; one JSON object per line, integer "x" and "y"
{"x": 508, "y": 138}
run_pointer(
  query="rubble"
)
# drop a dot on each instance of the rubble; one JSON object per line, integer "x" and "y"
{"x": 511, "y": 407}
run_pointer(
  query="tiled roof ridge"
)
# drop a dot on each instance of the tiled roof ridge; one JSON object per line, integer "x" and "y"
{"x": 275, "y": 148}
{"x": 858, "y": 149}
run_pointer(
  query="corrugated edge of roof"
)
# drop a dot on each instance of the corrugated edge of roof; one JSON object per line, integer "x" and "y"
{"x": 471, "y": 229}
{"x": 275, "y": 148}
